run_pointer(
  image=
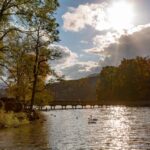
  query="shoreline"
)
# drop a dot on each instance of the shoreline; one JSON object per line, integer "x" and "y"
{"x": 16, "y": 120}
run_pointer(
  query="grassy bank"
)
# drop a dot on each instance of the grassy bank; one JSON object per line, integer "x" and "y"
{"x": 11, "y": 119}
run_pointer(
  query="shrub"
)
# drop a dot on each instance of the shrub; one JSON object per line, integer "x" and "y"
{"x": 11, "y": 119}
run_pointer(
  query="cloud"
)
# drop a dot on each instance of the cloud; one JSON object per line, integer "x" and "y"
{"x": 68, "y": 57}
{"x": 100, "y": 42}
{"x": 135, "y": 43}
{"x": 92, "y": 15}
{"x": 100, "y": 16}
{"x": 113, "y": 48}
{"x": 84, "y": 42}
{"x": 81, "y": 69}
{"x": 87, "y": 66}
{"x": 70, "y": 64}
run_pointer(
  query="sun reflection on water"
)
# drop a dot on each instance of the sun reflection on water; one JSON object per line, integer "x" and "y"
{"x": 118, "y": 128}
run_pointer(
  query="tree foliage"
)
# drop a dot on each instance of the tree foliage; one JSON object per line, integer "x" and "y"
{"x": 128, "y": 83}
{"x": 27, "y": 28}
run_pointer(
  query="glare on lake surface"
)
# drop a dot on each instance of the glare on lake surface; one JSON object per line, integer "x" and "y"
{"x": 117, "y": 128}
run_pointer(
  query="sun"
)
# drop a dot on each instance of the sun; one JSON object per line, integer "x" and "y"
{"x": 121, "y": 15}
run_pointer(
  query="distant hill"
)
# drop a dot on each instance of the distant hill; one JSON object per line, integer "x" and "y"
{"x": 93, "y": 75}
{"x": 81, "y": 89}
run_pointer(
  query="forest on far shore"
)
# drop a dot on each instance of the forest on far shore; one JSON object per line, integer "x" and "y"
{"x": 128, "y": 84}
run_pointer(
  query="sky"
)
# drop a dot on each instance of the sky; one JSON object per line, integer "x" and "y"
{"x": 97, "y": 33}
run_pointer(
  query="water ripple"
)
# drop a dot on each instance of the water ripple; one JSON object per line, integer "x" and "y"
{"x": 117, "y": 128}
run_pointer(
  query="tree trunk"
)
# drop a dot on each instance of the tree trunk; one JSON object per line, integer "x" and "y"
{"x": 33, "y": 92}
{"x": 35, "y": 72}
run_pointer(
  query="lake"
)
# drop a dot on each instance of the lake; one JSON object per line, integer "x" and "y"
{"x": 117, "y": 128}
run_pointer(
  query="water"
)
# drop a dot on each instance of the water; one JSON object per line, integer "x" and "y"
{"x": 117, "y": 128}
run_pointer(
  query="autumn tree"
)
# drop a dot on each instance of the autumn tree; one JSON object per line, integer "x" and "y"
{"x": 129, "y": 83}
{"x": 36, "y": 27}
{"x": 106, "y": 83}
{"x": 43, "y": 33}
{"x": 18, "y": 15}
{"x": 19, "y": 63}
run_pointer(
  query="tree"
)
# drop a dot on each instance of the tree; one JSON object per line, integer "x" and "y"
{"x": 17, "y": 63}
{"x": 36, "y": 27}
{"x": 134, "y": 75}
{"x": 18, "y": 15}
{"x": 129, "y": 83}
{"x": 43, "y": 34}
{"x": 106, "y": 83}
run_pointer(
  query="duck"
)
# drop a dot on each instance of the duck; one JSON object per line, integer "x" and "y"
{"x": 92, "y": 120}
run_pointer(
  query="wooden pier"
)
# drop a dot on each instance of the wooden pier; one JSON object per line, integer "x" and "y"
{"x": 71, "y": 105}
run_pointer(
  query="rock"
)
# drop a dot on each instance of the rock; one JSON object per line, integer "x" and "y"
{"x": 33, "y": 116}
